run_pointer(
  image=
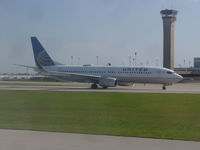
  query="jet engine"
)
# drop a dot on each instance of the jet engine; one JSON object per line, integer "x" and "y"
{"x": 108, "y": 82}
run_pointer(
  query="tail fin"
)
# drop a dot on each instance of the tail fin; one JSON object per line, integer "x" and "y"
{"x": 41, "y": 56}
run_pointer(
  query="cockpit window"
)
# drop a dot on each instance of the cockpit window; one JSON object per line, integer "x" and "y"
{"x": 169, "y": 72}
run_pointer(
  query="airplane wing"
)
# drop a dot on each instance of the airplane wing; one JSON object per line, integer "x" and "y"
{"x": 69, "y": 74}
{"x": 63, "y": 74}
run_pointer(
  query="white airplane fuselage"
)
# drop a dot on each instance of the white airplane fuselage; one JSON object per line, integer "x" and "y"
{"x": 123, "y": 75}
{"x": 105, "y": 76}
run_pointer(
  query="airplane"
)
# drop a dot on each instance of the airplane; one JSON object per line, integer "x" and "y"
{"x": 104, "y": 76}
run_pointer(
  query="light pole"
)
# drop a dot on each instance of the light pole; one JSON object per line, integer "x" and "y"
{"x": 147, "y": 63}
{"x": 129, "y": 60}
{"x": 184, "y": 62}
{"x": 97, "y": 60}
{"x": 135, "y": 58}
{"x": 156, "y": 61}
{"x": 72, "y": 57}
{"x": 189, "y": 64}
{"x": 133, "y": 61}
{"x": 78, "y": 60}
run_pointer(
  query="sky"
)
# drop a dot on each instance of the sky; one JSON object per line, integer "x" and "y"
{"x": 113, "y": 30}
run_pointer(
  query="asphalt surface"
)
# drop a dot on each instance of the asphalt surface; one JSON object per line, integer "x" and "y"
{"x": 138, "y": 88}
{"x": 34, "y": 140}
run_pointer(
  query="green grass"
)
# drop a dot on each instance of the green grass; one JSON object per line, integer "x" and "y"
{"x": 173, "y": 116}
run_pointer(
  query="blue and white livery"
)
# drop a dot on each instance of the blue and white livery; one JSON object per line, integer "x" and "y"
{"x": 104, "y": 76}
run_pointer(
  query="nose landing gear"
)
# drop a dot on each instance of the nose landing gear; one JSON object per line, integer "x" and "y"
{"x": 164, "y": 87}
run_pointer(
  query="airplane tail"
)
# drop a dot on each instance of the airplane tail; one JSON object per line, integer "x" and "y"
{"x": 41, "y": 56}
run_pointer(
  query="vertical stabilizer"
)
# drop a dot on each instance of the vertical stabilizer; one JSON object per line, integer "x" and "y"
{"x": 41, "y": 56}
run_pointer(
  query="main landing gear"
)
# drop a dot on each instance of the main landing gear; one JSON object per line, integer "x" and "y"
{"x": 94, "y": 86}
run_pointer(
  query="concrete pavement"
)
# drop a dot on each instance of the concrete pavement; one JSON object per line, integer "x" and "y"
{"x": 34, "y": 140}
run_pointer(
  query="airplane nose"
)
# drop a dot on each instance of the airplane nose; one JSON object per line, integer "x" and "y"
{"x": 178, "y": 77}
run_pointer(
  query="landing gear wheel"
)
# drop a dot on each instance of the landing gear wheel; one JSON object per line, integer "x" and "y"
{"x": 94, "y": 86}
{"x": 104, "y": 87}
{"x": 164, "y": 87}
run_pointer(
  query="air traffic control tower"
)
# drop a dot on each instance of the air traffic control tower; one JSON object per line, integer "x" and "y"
{"x": 169, "y": 18}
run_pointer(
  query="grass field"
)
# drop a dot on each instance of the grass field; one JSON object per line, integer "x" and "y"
{"x": 173, "y": 116}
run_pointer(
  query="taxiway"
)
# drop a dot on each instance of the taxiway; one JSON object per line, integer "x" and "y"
{"x": 34, "y": 140}
{"x": 193, "y": 88}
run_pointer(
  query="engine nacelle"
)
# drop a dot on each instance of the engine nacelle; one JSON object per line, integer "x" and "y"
{"x": 108, "y": 82}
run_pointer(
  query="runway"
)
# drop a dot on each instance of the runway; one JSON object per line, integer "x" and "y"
{"x": 34, "y": 140}
{"x": 193, "y": 88}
